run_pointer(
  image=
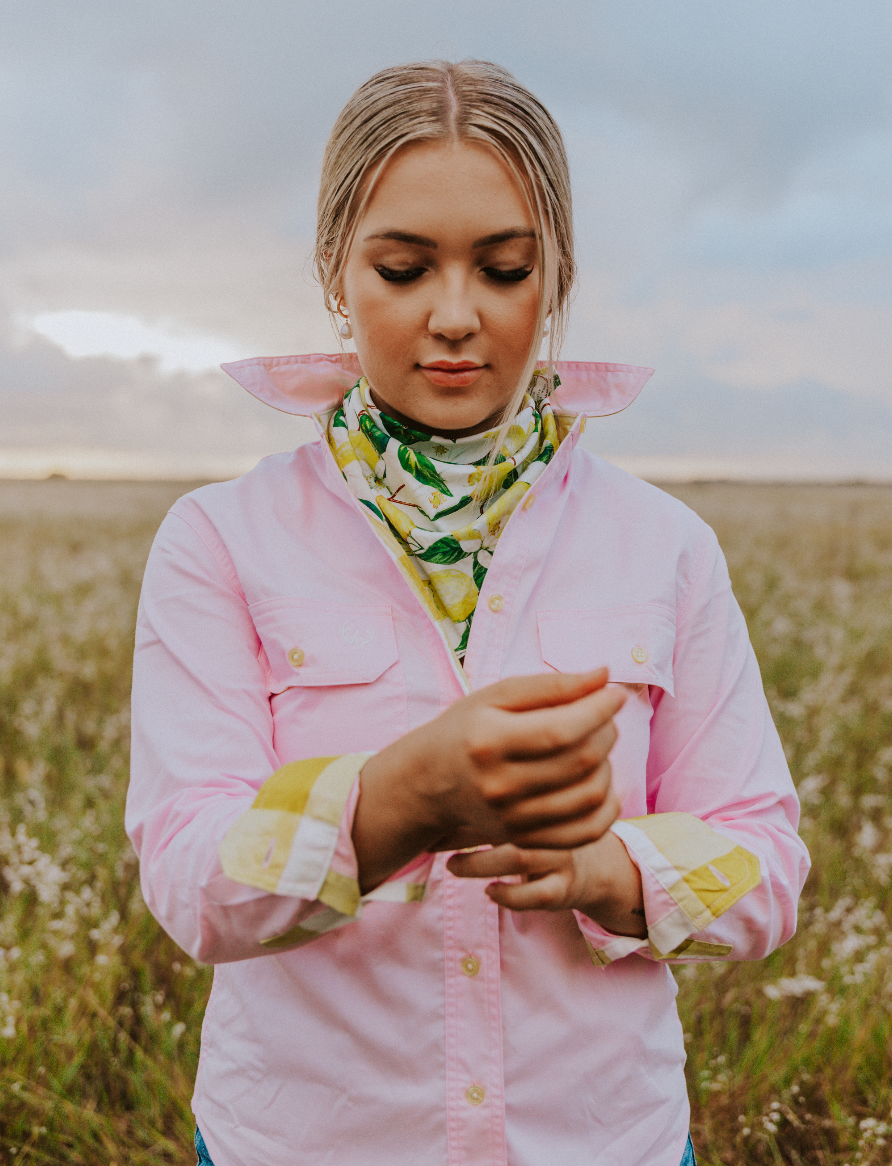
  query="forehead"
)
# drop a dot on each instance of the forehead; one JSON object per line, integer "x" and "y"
{"x": 442, "y": 187}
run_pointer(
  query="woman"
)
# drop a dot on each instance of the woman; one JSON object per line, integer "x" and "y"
{"x": 350, "y": 665}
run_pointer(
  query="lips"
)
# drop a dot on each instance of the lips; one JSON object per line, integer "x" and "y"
{"x": 452, "y": 365}
{"x": 452, "y": 374}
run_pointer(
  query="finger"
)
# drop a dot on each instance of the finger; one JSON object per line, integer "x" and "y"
{"x": 501, "y": 861}
{"x": 544, "y": 690}
{"x": 550, "y": 893}
{"x": 520, "y": 782}
{"x": 572, "y": 834}
{"x": 543, "y": 732}
{"x": 565, "y": 804}
{"x": 497, "y": 735}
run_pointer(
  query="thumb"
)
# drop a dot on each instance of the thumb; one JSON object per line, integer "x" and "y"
{"x": 546, "y": 690}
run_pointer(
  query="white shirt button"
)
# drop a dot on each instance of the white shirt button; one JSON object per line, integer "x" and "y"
{"x": 296, "y": 657}
{"x": 639, "y": 654}
{"x": 528, "y": 501}
{"x": 496, "y": 602}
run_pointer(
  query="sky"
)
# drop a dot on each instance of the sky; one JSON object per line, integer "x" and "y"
{"x": 732, "y": 177}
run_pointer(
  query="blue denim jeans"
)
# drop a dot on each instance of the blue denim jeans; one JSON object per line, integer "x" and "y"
{"x": 205, "y": 1160}
{"x": 688, "y": 1158}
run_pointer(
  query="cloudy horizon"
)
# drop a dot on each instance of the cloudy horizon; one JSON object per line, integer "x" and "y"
{"x": 732, "y": 172}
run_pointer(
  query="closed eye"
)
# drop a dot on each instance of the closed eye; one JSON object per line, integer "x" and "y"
{"x": 507, "y": 275}
{"x": 399, "y": 274}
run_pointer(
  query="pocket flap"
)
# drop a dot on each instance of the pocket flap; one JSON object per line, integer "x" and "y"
{"x": 310, "y": 644}
{"x": 636, "y": 642}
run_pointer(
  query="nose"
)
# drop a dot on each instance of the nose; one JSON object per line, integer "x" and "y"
{"x": 453, "y": 314}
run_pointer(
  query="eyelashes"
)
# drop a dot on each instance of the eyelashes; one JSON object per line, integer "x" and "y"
{"x": 497, "y": 274}
{"x": 400, "y": 275}
{"x": 512, "y": 275}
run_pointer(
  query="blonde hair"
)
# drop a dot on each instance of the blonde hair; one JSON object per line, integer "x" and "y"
{"x": 441, "y": 101}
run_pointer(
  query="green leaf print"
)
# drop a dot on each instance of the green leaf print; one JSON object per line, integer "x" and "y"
{"x": 460, "y": 505}
{"x": 374, "y": 509}
{"x": 479, "y": 572}
{"x": 378, "y": 439}
{"x": 444, "y": 550}
{"x": 402, "y": 432}
{"x": 462, "y": 645}
{"x": 339, "y": 420}
{"x": 422, "y": 469}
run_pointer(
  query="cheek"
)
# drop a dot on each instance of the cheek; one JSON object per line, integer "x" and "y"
{"x": 384, "y": 319}
{"x": 515, "y": 319}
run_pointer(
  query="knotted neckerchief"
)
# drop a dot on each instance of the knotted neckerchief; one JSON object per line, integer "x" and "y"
{"x": 442, "y": 502}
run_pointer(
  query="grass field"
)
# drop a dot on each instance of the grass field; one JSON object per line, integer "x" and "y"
{"x": 789, "y": 1059}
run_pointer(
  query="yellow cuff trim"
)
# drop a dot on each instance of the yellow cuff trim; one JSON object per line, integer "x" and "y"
{"x": 341, "y": 892}
{"x": 702, "y": 870}
{"x": 285, "y": 842}
{"x": 289, "y": 787}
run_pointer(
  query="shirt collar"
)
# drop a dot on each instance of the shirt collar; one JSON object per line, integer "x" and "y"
{"x": 308, "y": 385}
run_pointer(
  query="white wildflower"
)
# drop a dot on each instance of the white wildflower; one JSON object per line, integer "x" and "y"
{"x": 793, "y": 986}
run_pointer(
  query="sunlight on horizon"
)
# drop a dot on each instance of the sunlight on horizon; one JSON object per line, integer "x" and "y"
{"x": 176, "y": 348}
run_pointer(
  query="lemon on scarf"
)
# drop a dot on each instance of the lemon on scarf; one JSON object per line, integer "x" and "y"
{"x": 491, "y": 478}
{"x": 456, "y": 592}
{"x": 514, "y": 439}
{"x": 395, "y": 515}
{"x": 505, "y": 506}
{"x": 344, "y": 454}
{"x": 364, "y": 448}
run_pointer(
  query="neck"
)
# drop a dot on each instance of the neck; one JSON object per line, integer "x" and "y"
{"x": 491, "y": 422}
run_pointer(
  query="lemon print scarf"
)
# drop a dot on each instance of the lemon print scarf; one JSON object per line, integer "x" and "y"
{"x": 438, "y": 497}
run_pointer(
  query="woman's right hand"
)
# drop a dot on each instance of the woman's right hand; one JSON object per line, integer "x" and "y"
{"x": 523, "y": 761}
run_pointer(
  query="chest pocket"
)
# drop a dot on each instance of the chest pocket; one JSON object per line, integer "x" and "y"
{"x": 635, "y": 642}
{"x": 308, "y": 644}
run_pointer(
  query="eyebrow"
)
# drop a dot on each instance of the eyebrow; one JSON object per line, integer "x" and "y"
{"x": 504, "y": 236}
{"x": 424, "y": 241}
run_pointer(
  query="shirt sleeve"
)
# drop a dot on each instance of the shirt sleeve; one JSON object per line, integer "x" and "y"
{"x": 721, "y": 863}
{"x": 293, "y": 841}
{"x": 240, "y": 854}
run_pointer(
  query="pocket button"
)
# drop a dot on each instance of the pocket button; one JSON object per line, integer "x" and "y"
{"x": 296, "y": 657}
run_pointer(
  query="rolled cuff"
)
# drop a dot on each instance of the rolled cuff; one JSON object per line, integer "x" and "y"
{"x": 295, "y": 841}
{"x": 690, "y": 876}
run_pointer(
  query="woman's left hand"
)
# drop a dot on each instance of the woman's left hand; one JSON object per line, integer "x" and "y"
{"x": 600, "y": 880}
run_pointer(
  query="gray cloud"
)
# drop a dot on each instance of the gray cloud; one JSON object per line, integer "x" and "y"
{"x": 732, "y": 163}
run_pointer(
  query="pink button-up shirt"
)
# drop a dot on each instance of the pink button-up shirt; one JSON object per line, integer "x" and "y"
{"x": 278, "y": 645}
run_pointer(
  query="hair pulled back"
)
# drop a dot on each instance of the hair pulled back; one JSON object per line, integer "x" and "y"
{"x": 468, "y": 101}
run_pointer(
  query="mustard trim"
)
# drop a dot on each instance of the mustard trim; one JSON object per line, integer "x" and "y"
{"x": 341, "y": 892}
{"x": 294, "y": 937}
{"x": 289, "y": 788}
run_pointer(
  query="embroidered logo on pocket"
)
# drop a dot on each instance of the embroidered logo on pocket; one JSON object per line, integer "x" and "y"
{"x": 358, "y": 637}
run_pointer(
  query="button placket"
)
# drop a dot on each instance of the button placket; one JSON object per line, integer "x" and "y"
{"x": 473, "y": 1024}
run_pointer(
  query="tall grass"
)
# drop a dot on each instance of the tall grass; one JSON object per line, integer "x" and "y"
{"x": 789, "y": 1059}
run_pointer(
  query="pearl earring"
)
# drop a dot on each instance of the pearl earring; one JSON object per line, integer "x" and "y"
{"x": 345, "y": 330}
